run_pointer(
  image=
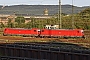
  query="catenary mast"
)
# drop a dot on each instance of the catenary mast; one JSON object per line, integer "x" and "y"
{"x": 59, "y": 15}
{"x": 72, "y": 16}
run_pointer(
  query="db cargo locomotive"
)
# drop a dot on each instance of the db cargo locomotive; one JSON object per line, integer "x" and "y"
{"x": 44, "y": 32}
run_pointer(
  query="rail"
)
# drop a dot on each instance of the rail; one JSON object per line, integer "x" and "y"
{"x": 47, "y": 51}
{"x": 57, "y": 47}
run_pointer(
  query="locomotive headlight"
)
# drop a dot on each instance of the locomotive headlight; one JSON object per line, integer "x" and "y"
{"x": 82, "y": 31}
{"x": 38, "y": 30}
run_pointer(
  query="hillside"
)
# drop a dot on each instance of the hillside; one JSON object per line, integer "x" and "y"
{"x": 38, "y": 9}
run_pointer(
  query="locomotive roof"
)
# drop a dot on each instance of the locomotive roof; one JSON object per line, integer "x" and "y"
{"x": 21, "y": 28}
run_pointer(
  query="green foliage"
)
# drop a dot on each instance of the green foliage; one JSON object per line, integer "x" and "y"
{"x": 86, "y": 11}
{"x": 28, "y": 25}
{"x": 1, "y": 25}
{"x": 9, "y": 20}
{"x": 20, "y": 20}
{"x": 10, "y": 25}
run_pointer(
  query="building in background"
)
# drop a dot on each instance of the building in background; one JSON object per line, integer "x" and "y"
{"x": 46, "y": 12}
{"x": 4, "y": 18}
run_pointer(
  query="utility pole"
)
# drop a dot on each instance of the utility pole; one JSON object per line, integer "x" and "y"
{"x": 59, "y": 15}
{"x": 72, "y": 16}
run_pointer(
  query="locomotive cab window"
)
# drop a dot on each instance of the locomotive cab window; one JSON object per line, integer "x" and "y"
{"x": 48, "y": 27}
{"x": 78, "y": 31}
{"x": 5, "y": 29}
{"x": 42, "y": 30}
{"x": 34, "y": 30}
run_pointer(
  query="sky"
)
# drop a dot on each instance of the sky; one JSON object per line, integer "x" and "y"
{"x": 45, "y": 2}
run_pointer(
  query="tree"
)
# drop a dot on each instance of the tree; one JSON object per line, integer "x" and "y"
{"x": 28, "y": 25}
{"x": 20, "y": 20}
{"x": 9, "y": 23}
{"x": 2, "y": 25}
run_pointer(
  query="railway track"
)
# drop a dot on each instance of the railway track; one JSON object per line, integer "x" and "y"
{"x": 65, "y": 47}
{"x": 87, "y": 34}
{"x": 43, "y": 51}
{"x": 16, "y": 58}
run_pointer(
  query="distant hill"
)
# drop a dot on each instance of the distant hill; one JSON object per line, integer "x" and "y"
{"x": 38, "y": 9}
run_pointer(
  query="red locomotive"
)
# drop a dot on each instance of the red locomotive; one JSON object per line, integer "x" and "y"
{"x": 21, "y": 31}
{"x": 62, "y": 33}
{"x": 44, "y": 32}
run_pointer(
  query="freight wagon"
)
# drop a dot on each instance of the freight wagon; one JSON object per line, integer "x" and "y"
{"x": 44, "y": 32}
